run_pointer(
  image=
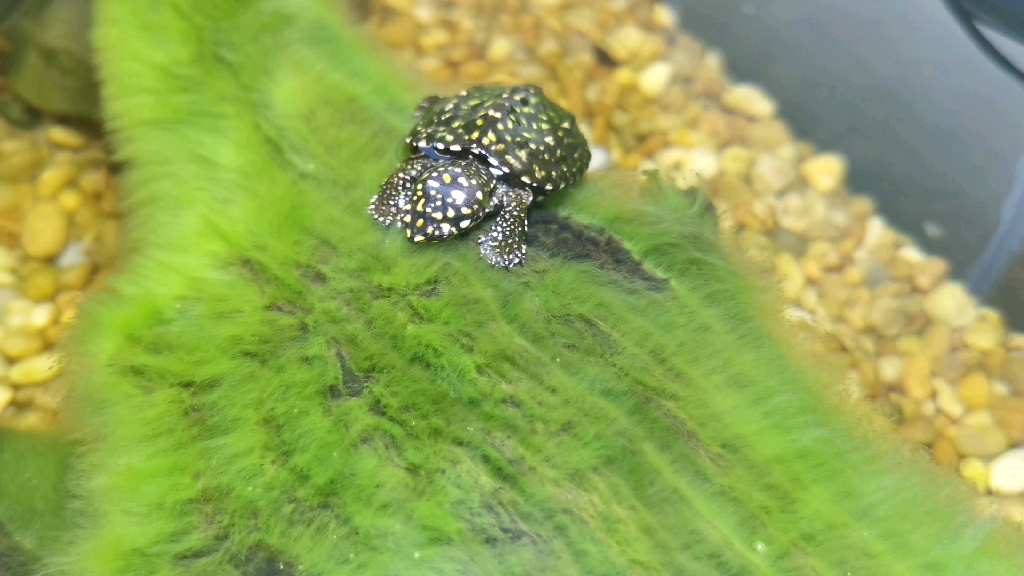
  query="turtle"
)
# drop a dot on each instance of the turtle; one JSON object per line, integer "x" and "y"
{"x": 488, "y": 148}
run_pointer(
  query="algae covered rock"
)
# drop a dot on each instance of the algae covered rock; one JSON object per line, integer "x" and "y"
{"x": 50, "y": 60}
{"x": 276, "y": 385}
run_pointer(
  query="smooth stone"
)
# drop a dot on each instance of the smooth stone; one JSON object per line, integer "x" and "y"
{"x": 750, "y": 100}
{"x": 917, "y": 380}
{"x": 951, "y": 303}
{"x": 1008, "y": 413}
{"x": 975, "y": 390}
{"x": 979, "y": 439}
{"x": 824, "y": 172}
{"x": 654, "y": 79}
{"x": 18, "y": 344}
{"x": 944, "y": 452}
{"x": 45, "y": 230}
{"x": 65, "y": 137}
{"x": 36, "y": 369}
{"x": 947, "y": 400}
{"x": 975, "y": 471}
{"x": 771, "y": 174}
{"x": 1006, "y": 473}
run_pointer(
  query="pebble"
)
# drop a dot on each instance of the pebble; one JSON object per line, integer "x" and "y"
{"x": 928, "y": 273}
{"x": 890, "y": 369}
{"x": 65, "y": 137}
{"x": 1006, "y": 473}
{"x": 736, "y": 161}
{"x": 18, "y": 344}
{"x": 975, "y": 471}
{"x": 770, "y": 174}
{"x": 944, "y": 452}
{"x": 36, "y": 369}
{"x": 41, "y": 283}
{"x": 950, "y": 303}
{"x": 499, "y": 49}
{"x": 947, "y": 400}
{"x": 6, "y": 397}
{"x": 625, "y": 42}
{"x": 917, "y": 381}
{"x": 986, "y": 334}
{"x": 975, "y": 390}
{"x": 599, "y": 159}
{"x": 824, "y": 172}
{"x": 663, "y": 16}
{"x": 750, "y": 100}
{"x": 45, "y": 231}
{"x": 654, "y": 79}
{"x": 1008, "y": 412}
{"x": 920, "y": 429}
{"x": 54, "y": 178}
{"x": 979, "y": 439}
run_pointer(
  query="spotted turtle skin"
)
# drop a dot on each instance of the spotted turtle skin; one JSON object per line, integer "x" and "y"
{"x": 486, "y": 149}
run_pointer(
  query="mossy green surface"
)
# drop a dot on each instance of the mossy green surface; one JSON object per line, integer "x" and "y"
{"x": 276, "y": 385}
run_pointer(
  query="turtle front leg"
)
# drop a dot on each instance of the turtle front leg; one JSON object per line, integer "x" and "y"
{"x": 505, "y": 245}
{"x": 388, "y": 206}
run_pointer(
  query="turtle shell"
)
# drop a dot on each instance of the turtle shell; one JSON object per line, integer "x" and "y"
{"x": 522, "y": 136}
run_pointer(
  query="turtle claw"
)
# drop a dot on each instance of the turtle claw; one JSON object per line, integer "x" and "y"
{"x": 505, "y": 245}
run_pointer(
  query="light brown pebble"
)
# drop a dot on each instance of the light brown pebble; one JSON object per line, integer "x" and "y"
{"x": 654, "y": 79}
{"x": 499, "y": 49}
{"x": 18, "y": 344}
{"x": 65, "y": 137}
{"x": 45, "y": 230}
{"x": 986, "y": 333}
{"x": 928, "y": 273}
{"x": 663, "y": 16}
{"x": 919, "y": 429}
{"x": 54, "y": 178}
{"x": 736, "y": 161}
{"x": 890, "y": 369}
{"x": 1013, "y": 371}
{"x": 771, "y": 174}
{"x": 770, "y": 134}
{"x": 792, "y": 278}
{"x": 70, "y": 199}
{"x": 1006, "y": 473}
{"x": 887, "y": 316}
{"x": 1008, "y": 413}
{"x": 951, "y": 303}
{"x": 93, "y": 181}
{"x": 398, "y": 31}
{"x": 944, "y": 452}
{"x": 36, "y": 369}
{"x": 625, "y": 42}
{"x": 824, "y": 172}
{"x": 6, "y": 397}
{"x": 41, "y": 283}
{"x": 975, "y": 471}
{"x": 76, "y": 277}
{"x": 54, "y": 334}
{"x": 29, "y": 420}
{"x": 947, "y": 400}
{"x": 979, "y": 439}
{"x": 750, "y": 100}
{"x": 937, "y": 340}
{"x": 975, "y": 390}
{"x": 42, "y": 315}
{"x": 917, "y": 382}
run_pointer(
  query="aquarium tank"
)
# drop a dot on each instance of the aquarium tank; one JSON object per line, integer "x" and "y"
{"x": 509, "y": 287}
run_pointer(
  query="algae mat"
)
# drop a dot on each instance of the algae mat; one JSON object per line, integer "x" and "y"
{"x": 276, "y": 385}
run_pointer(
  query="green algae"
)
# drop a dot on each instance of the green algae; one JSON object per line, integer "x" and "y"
{"x": 276, "y": 385}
